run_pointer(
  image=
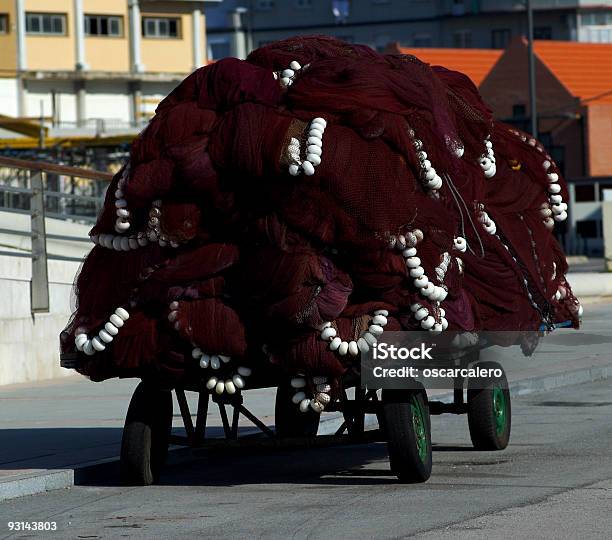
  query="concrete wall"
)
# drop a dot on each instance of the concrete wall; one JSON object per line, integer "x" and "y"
{"x": 172, "y": 55}
{"x": 45, "y": 52}
{"x": 8, "y": 96}
{"x": 8, "y": 42}
{"x": 108, "y": 53}
{"x": 587, "y": 285}
{"x": 607, "y": 233}
{"x": 21, "y": 222}
{"x": 108, "y": 99}
{"x": 42, "y": 91}
{"x": 29, "y": 344}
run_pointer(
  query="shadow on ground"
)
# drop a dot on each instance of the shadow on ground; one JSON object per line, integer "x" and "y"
{"x": 365, "y": 464}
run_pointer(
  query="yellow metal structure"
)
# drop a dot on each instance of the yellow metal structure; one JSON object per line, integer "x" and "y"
{"x": 66, "y": 142}
{"x": 23, "y": 126}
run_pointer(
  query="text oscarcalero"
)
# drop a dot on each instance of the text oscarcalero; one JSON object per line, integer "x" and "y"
{"x": 436, "y": 373}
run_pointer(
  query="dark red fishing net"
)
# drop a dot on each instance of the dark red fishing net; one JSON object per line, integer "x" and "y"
{"x": 245, "y": 257}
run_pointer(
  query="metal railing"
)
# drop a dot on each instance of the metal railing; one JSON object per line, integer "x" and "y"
{"x": 42, "y": 190}
{"x": 69, "y": 192}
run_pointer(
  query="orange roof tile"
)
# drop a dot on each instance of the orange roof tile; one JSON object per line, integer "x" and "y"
{"x": 585, "y": 69}
{"x": 475, "y": 63}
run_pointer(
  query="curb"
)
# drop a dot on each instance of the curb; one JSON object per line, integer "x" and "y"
{"x": 92, "y": 472}
{"x": 576, "y": 259}
{"x": 36, "y": 482}
{"x": 545, "y": 383}
{"x": 589, "y": 284}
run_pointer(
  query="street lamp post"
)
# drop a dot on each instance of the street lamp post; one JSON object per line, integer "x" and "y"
{"x": 532, "y": 77}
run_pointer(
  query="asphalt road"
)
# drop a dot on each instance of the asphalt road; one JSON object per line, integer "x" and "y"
{"x": 553, "y": 481}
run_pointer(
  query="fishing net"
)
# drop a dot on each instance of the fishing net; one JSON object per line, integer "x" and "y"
{"x": 233, "y": 251}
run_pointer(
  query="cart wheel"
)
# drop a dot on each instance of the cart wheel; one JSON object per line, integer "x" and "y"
{"x": 406, "y": 422}
{"x": 489, "y": 412}
{"x": 144, "y": 446}
{"x": 290, "y": 421}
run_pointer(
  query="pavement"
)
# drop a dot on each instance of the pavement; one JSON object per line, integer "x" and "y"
{"x": 576, "y": 513}
{"x": 554, "y": 481}
{"x": 56, "y": 432}
{"x": 61, "y": 433}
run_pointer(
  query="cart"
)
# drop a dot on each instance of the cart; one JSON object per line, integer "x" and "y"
{"x": 403, "y": 421}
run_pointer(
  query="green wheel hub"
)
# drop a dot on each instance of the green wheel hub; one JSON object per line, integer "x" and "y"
{"x": 500, "y": 409}
{"x": 420, "y": 430}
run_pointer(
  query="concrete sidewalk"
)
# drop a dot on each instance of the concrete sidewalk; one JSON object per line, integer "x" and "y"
{"x": 589, "y": 285}
{"x": 49, "y": 430}
{"x": 54, "y": 430}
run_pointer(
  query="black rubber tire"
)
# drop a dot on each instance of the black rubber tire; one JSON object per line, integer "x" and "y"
{"x": 397, "y": 417}
{"x": 146, "y": 435}
{"x": 488, "y": 430}
{"x": 290, "y": 421}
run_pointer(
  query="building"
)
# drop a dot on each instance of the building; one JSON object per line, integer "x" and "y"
{"x": 83, "y": 63}
{"x": 236, "y": 26}
{"x": 226, "y": 27}
{"x": 574, "y": 98}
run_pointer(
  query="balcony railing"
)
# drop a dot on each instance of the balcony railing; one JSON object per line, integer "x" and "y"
{"x": 48, "y": 190}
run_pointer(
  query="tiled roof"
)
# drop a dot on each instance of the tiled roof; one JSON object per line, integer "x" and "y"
{"x": 475, "y": 63}
{"x": 585, "y": 69}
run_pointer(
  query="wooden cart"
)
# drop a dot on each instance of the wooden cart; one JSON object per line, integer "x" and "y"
{"x": 403, "y": 421}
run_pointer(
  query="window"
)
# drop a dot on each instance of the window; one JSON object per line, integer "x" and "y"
{"x": 102, "y": 25}
{"x": 303, "y": 4}
{"x": 542, "y": 32}
{"x": 4, "y": 23}
{"x": 53, "y": 24}
{"x": 265, "y": 4}
{"x": 600, "y": 18}
{"x": 585, "y": 192}
{"x": 519, "y": 111}
{"x": 605, "y": 192}
{"x": 160, "y": 27}
{"x": 462, "y": 39}
{"x": 500, "y": 38}
{"x": 587, "y": 228}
